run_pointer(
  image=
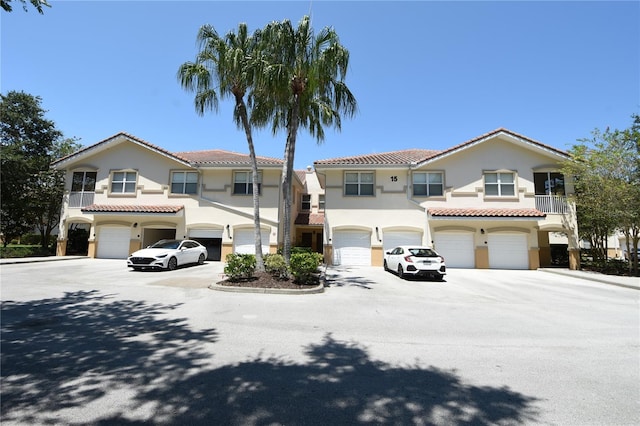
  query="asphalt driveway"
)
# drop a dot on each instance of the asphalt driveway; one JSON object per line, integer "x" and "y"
{"x": 89, "y": 342}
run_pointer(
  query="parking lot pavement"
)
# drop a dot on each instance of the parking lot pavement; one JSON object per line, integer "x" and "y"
{"x": 88, "y": 341}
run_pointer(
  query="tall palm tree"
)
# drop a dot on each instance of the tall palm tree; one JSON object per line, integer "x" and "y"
{"x": 224, "y": 67}
{"x": 300, "y": 84}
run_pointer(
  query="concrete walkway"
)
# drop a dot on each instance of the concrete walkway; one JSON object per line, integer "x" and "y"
{"x": 628, "y": 282}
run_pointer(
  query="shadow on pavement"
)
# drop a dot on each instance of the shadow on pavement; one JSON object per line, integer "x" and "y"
{"x": 66, "y": 353}
{"x": 337, "y": 279}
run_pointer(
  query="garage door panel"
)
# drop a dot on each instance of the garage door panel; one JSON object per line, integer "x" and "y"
{"x": 352, "y": 248}
{"x": 113, "y": 242}
{"x": 392, "y": 239}
{"x": 457, "y": 249}
{"x": 508, "y": 251}
{"x": 244, "y": 241}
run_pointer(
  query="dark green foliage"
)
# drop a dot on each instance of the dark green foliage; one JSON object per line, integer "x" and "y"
{"x": 304, "y": 267}
{"x": 31, "y": 191}
{"x": 24, "y": 250}
{"x": 240, "y": 266}
{"x": 38, "y": 4}
{"x": 608, "y": 267}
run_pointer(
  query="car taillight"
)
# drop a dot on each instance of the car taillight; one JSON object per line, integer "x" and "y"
{"x": 408, "y": 259}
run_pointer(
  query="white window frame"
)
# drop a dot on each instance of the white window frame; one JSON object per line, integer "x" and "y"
{"x": 360, "y": 182}
{"x": 321, "y": 202}
{"x": 248, "y": 183}
{"x": 428, "y": 184}
{"x": 501, "y": 184}
{"x": 126, "y": 180}
{"x": 185, "y": 174}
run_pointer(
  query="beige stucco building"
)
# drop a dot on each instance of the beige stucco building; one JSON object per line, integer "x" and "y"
{"x": 127, "y": 194}
{"x": 496, "y": 201}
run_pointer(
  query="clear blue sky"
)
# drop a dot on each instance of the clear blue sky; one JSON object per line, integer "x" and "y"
{"x": 425, "y": 74}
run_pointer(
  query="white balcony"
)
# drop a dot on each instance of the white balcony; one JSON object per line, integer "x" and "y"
{"x": 554, "y": 204}
{"x": 80, "y": 199}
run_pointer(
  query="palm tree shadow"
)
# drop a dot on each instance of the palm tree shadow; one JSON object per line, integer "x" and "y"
{"x": 337, "y": 280}
{"x": 61, "y": 355}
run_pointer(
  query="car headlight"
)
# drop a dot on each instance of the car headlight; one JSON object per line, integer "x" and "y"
{"x": 162, "y": 256}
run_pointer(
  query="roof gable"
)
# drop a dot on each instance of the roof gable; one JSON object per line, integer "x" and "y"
{"x": 206, "y": 158}
{"x": 112, "y": 141}
{"x": 504, "y": 134}
{"x": 418, "y": 157}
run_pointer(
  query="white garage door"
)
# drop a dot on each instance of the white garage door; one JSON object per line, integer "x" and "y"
{"x": 393, "y": 239}
{"x": 207, "y": 233}
{"x": 244, "y": 241}
{"x": 352, "y": 248}
{"x": 113, "y": 242}
{"x": 456, "y": 248}
{"x": 508, "y": 251}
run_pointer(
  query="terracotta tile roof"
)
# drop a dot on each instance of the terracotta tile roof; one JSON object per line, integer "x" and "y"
{"x": 450, "y": 212}
{"x": 302, "y": 176}
{"x": 114, "y": 208}
{"x": 218, "y": 157}
{"x": 310, "y": 219}
{"x": 402, "y": 158}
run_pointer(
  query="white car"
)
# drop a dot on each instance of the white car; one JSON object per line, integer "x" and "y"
{"x": 416, "y": 261}
{"x": 168, "y": 254}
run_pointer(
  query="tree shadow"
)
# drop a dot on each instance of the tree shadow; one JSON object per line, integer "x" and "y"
{"x": 66, "y": 353}
{"x": 335, "y": 279}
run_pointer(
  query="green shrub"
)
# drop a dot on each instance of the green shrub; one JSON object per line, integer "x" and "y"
{"x": 304, "y": 266}
{"x": 607, "y": 267}
{"x": 240, "y": 266}
{"x": 15, "y": 251}
{"x": 275, "y": 265}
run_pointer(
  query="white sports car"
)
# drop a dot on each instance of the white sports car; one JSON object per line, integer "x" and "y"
{"x": 416, "y": 261}
{"x": 168, "y": 254}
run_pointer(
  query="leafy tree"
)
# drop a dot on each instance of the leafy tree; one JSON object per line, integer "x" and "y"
{"x": 31, "y": 194}
{"x": 606, "y": 175}
{"x": 38, "y": 4}
{"x": 224, "y": 67}
{"x": 300, "y": 84}
{"x": 48, "y": 191}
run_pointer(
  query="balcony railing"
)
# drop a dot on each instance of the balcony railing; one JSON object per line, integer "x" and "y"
{"x": 80, "y": 199}
{"x": 552, "y": 204}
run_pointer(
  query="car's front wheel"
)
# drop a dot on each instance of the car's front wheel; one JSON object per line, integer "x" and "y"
{"x": 173, "y": 264}
{"x": 386, "y": 267}
{"x": 201, "y": 259}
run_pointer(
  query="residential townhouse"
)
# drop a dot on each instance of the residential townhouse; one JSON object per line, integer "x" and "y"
{"x": 496, "y": 201}
{"x": 127, "y": 193}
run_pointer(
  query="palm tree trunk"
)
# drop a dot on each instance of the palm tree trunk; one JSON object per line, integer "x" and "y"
{"x": 255, "y": 183}
{"x": 287, "y": 176}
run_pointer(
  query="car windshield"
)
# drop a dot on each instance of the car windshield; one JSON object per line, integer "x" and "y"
{"x": 422, "y": 252}
{"x": 166, "y": 244}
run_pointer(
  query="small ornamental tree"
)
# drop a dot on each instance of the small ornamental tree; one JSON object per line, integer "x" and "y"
{"x": 606, "y": 173}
